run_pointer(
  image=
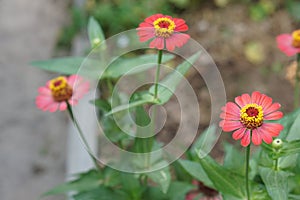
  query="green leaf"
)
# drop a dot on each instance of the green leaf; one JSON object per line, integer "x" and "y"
{"x": 111, "y": 177}
{"x": 288, "y": 154}
{"x": 95, "y": 32}
{"x": 196, "y": 171}
{"x": 144, "y": 99}
{"x": 168, "y": 85}
{"x": 276, "y": 183}
{"x": 85, "y": 181}
{"x": 143, "y": 143}
{"x": 129, "y": 66}
{"x": 291, "y": 125}
{"x": 178, "y": 190}
{"x": 180, "y": 173}
{"x": 234, "y": 160}
{"x": 101, "y": 193}
{"x": 205, "y": 141}
{"x": 294, "y": 8}
{"x": 162, "y": 177}
{"x": 154, "y": 193}
{"x": 93, "y": 68}
{"x": 289, "y": 148}
{"x": 102, "y": 104}
{"x": 132, "y": 185}
{"x": 294, "y": 197}
{"x": 224, "y": 180}
{"x": 69, "y": 65}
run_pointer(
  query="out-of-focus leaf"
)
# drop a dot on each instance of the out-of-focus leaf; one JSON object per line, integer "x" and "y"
{"x": 85, "y": 181}
{"x": 69, "y": 65}
{"x": 129, "y": 66}
{"x": 95, "y": 32}
{"x": 289, "y": 121}
{"x": 162, "y": 177}
{"x": 101, "y": 193}
{"x": 224, "y": 180}
{"x": 144, "y": 99}
{"x": 177, "y": 191}
{"x": 289, "y": 148}
{"x": 132, "y": 185}
{"x": 234, "y": 160}
{"x": 93, "y": 68}
{"x": 168, "y": 85}
{"x": 196, "y": 171}
{"x": 294, "y": 8}
{"x": 276, "y": 183}
{"x": 205, "y": 141}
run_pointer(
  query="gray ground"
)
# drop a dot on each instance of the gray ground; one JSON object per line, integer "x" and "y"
{"x": 32, "y": 142}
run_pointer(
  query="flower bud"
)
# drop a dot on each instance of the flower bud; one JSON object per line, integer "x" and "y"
{"x": 96, "y": 42}
{"x": 277, "y": 144}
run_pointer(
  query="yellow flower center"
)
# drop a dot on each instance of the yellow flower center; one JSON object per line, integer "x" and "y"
{"x": 60, "y": 89}
{"x": 252, "y": 116}
{"x": 164, "y": 27}
{"x": 296, "y": 38}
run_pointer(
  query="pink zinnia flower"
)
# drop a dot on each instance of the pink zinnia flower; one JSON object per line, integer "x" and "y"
{"x": 289, "y": 43}
{"x": 165, "y": 30}
{"x": 61, "y": 90}
{"x": 251, "y": 114}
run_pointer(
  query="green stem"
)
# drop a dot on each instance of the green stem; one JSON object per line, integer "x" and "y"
{"x": 276, "y": 167}
{"x": 81, "y": 134}
{"x": 109, "y": 85}
{"x": 247, "y": 167}
{"x": 297, "y": 80}
{"x": 160, "y": 53}
{"x": 150, "y": 140}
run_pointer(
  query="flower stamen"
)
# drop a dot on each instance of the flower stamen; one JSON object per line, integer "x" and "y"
{"x": 60, "y": 89}
{"x": 251, "y": 116}
{"x": 296, "y": 39}
{"x": 164, "y": 27}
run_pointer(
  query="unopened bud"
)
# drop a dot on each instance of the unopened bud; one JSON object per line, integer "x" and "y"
{"x": 96, "y": 42}
{"x": 277, "y": 144}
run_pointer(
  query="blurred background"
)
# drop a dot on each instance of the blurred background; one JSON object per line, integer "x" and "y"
{"x": 238, "y": 34}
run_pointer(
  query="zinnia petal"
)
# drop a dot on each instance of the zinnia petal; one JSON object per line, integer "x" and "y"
{"x": 256, "y": 96}
{"x": 274, "y": 107}
{"x": 180, "y": 25}
{"x": 245, "y": 141}
{"x": 63, "y": 106}
{"x": 243, "y": 100}
{"x": 256, "y": 138}
{"x": 266, "y": 136}
{"x": 272, "y": 128}
{"x": 265, "y": 101}
{"x": 157, "y": 43}
{"x": 274, "y": 116}
{"x": 238, "y": 134}
{"x": 228, "y": 126}
{"x": 152, "y": 18}
{"x": 284, "y": 43}
{"x": 231, "y": 108}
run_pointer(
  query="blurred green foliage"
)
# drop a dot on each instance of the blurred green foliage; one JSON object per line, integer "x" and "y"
{"x": 120, "y": 15}
{"x": 293, "y": 7}
{"x": 78, "y": 21}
